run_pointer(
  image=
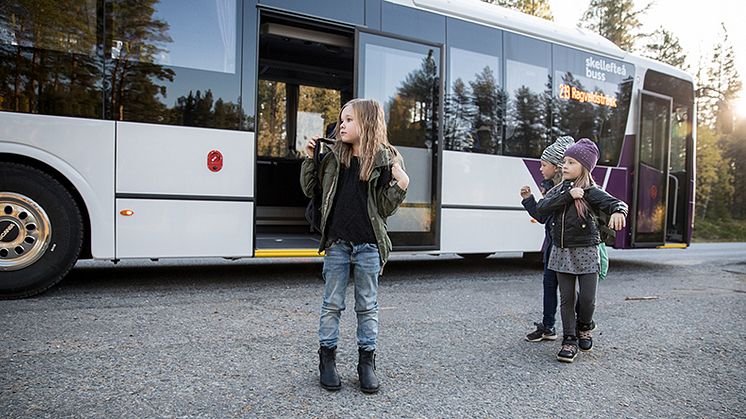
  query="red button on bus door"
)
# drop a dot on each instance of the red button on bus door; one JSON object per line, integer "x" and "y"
{"x": 214, "y": 161}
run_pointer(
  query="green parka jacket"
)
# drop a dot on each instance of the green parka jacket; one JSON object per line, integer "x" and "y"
{"x": 383, "y": 200}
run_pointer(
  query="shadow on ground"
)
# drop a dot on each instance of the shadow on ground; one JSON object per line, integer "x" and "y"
{"x": 204, "y": 275}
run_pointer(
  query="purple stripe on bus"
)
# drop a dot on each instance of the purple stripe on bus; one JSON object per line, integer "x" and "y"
{"x": 533, "y": 167}
{"x": 627, "y": 157}
{"x": 620, "y": 186}
{"x": 598, "y": 174}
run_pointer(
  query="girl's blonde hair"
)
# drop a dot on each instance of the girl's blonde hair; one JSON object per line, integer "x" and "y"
{"x": 373, "y": 135}
{"x": 584, "y": 181}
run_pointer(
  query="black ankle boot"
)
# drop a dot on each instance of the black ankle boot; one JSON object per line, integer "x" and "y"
{"x": 366, "y": 371}
{"x": 328, "y": 376}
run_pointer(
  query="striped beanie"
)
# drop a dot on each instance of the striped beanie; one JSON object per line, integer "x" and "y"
{"x": 585, "y": 152}
{"x": 555, "y": 152}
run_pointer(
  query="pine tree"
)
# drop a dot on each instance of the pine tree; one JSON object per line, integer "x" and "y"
{"x": 714, "y": 178}
{"x": 720, "y": 85}
{"x": 272, "y": 136}
{"x": 133, "y": 77}
{"x": 615, "y": 20}
{"x": 539, "y": 8}
{"x": 489, "y": 103}
{"x": 735, "y": 151}
{"x": 460, "y": 112}
{"x": 664, "y": 46}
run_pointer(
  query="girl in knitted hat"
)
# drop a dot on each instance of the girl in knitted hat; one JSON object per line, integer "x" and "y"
{"x": 551, "y": 170}
{"x": 575, "y": 238}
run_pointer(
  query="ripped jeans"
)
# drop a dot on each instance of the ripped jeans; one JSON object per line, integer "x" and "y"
{"x": 365, "y": 263}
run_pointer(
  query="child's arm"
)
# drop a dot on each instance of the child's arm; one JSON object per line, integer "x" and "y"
{"x": 389, "y": 197}
{"x": 602, "y": 200}
{"x": 308, "y": 177}
{"x": 616, "y": 208}
{"x": 308, "y": 171}
{"x": 400, "y": 175}
{"x": 529, "y": 204}
{"x": 554, "y": 200}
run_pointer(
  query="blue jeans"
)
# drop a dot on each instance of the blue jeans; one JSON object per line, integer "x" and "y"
{"x": 550, "y": 292}
{"x": 366, "y": 265}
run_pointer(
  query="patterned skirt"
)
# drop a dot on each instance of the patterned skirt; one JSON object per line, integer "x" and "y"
{"x": 575, "y": 260}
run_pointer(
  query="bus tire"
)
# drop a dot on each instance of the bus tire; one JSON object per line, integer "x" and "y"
{"x": 41, "y": 231}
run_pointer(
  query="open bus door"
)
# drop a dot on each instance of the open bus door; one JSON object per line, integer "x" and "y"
{"x": 650, "y": 206}
{"x": 406, "y": 78}
{"x": 304, "y": 75}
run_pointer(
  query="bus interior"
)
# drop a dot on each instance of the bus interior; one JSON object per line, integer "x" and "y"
{"x": 305, "y": 74}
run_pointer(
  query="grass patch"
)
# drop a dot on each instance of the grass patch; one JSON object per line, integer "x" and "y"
{"x": 719, "y": 231}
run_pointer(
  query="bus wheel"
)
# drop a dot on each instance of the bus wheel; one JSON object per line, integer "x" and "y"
{"x": 474, "y": 257}
{"x": 41, "y": 231}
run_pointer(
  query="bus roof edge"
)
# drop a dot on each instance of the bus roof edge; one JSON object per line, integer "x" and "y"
{"x": 504, "y": 18}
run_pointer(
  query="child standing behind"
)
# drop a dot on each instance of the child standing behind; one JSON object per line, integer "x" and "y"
{"x": 575, "y": 238}
{"x": 551, "y": 170}
{"x": 356, "y": 200}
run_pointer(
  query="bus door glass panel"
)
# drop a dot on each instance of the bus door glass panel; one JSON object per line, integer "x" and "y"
{"x": 405, "y": 77}
{"x": 681, "y": 155}
{"x": 678, "y": 182}
{"x": 652, "y": 170}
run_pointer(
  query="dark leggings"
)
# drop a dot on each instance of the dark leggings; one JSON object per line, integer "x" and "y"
{"x": 586, "y": 300}
{"x": 550, "y": 292}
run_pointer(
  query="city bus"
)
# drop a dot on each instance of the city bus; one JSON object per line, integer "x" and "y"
{"x": 175, "y": 129}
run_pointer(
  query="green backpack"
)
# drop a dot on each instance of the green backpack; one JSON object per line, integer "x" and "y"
{"x": 608, "y": 236}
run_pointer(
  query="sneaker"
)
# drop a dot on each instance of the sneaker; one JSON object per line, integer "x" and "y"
{"x": 569, "y": 349}
{"x": 541, "y": 333}
{"x": 585, "y": 341}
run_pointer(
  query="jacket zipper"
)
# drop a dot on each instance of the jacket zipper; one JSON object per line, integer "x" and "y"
{"x": 562, "y": 235}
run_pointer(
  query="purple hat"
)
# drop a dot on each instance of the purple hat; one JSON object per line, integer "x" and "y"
{"x": 585, "y": 152}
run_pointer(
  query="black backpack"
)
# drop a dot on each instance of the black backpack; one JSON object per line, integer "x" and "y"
{"x": 607, "y": 234}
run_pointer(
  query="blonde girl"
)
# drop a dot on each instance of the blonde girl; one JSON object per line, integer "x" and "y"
{"x": 362, "y": 183}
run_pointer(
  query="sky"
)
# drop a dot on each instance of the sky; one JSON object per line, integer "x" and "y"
{"x": 695, "y": 23}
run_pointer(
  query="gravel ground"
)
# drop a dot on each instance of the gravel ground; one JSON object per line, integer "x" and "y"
{"x": 238, "y": 339}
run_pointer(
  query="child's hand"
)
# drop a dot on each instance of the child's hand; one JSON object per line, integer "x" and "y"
{"x": 525, "y": 192}
{"x": 617, "y": 221}
{"x": 577, "y": 193}
{"x": 310, "y": 146}
{"x": 400, "y": 175}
